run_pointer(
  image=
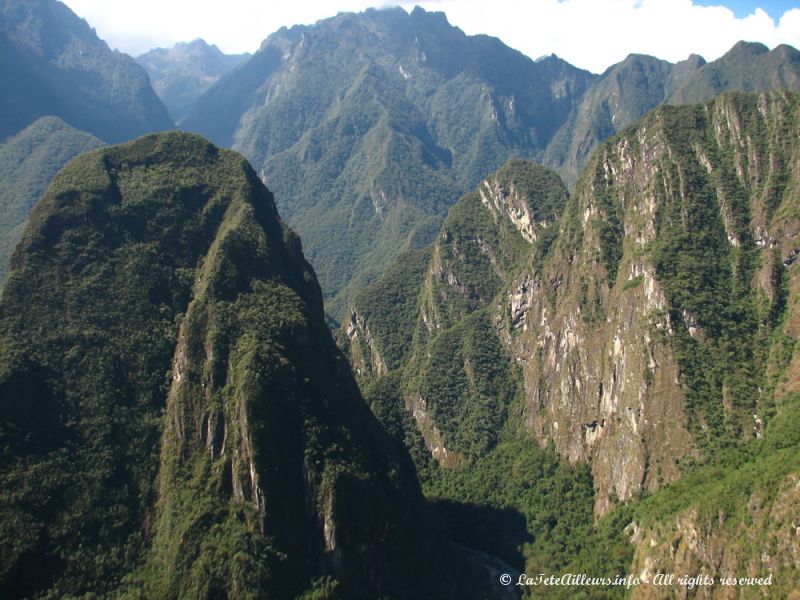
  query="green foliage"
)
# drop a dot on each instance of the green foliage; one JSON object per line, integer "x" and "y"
{"x": 467, "y": 389}
{"x": 727, "y": 300}
{"x": 628, "y": 90}
{"x": 390, "y": 305}
{"x": 526, "y": 506}
{"x": 169, "y": 390}
{"x": 708, "y": 281}
{"x": 375, "y": 124}
{"x": 747, "y": 67}
{"x": 541, "y": 188}
{"x": 28, "y": 163}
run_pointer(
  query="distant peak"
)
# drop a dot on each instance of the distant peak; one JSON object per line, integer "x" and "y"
{"x": 545, "y": 57}
{"x": 198, "y": 42}
{"x": 743, "y": 48}
{"x": 435, "y": 16}
{"x": 695, "y": 60}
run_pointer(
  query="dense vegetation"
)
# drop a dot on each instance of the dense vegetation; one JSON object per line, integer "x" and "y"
{"x": 28, "y": 163}
{"x": 175, "y": 420}
{"x": 400, "y": 114}
{"x": 369, "y": 126}
{"x": 628, "y": 90}
{"x": 723, "y": 185}
{"x": 505, "y": 496}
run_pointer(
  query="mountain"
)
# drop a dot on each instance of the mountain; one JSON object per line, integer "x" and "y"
{"x": 175, "y": 418}
{"x": 626, "y": 91}
{"x": 619, "y": 98}
{"x": 747, "y": 67}
{"x": 61, "y": 68}
{"x": 28, "y": 163}
{"x": 635, "y": 338}
{"x": 367, "y": 126}
{"x": 181, "y": 74}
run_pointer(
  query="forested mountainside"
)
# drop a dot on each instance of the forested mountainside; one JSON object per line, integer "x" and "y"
{"x": 367, "y": 126}
{"x": 59, "y": 67}
{"x": 183, "y": 73}
{"x": 28, "y": 163}
{"x": 645, "y": 327}
{"x": 175, "y": 418}
{"x": 626, "y": 91}
{"x": 587, "y": 366}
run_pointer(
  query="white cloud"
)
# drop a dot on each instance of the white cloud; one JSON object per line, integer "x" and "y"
{"x": 592, "y": 34}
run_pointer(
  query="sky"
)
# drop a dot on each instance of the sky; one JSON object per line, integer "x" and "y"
{"x": 592, "y": 34}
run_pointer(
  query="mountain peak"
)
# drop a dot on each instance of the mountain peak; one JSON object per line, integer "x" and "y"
{"x": 743, "y": 48}
{"x": 237, "y": 378}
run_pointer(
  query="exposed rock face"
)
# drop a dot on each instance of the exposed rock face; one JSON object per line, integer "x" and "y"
{"x": 636, "y": 324}
{"x": 756, "y": 540}
{"x": 365, "y": 356}
{"x": 595, "y": 330}
{"x": 175, "y": 416}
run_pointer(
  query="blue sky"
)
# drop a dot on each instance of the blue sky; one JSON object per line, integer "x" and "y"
{"x": 742, "y": 8}
{"x": 592, "y": 34}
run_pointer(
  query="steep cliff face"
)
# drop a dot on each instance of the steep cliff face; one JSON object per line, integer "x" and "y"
{"x": 454, "y": 360}
{"x": 643, "y": 337}
{"x": 646, "y": 329}
{"x": 176, "y": 420}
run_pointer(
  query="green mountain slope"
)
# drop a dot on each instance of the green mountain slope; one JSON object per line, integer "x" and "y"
{"x": 367, "y": 126}
{"x": 183, "y": 73}
{"x": 175, "y": 419}
{"x": 644, "y": 333}
{"x": 28, "y": 163}
{"x": 59, "y": 67}
{"x": 626, "y": 91}
{"x": 747, "y": 67}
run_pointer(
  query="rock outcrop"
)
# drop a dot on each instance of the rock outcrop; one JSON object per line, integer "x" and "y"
{"x": 617, "y": 317}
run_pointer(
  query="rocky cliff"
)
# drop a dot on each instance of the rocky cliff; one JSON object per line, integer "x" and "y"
{"x": 645, "y": 325}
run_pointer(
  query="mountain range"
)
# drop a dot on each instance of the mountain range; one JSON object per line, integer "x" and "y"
{"x": 234, "y": 456}
{"x": 643, "y": 326}
{"x": 61, "y": 68}
{"x": 567, "y": 303}
{"x": 368, "y": 126}
{"x": 181, "y": 74}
